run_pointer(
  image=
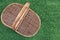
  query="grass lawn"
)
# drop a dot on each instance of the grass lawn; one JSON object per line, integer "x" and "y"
{"x": 49, "y": 12}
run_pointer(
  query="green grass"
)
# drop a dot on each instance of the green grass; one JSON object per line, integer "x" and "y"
{"x": 49, "y": 12}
